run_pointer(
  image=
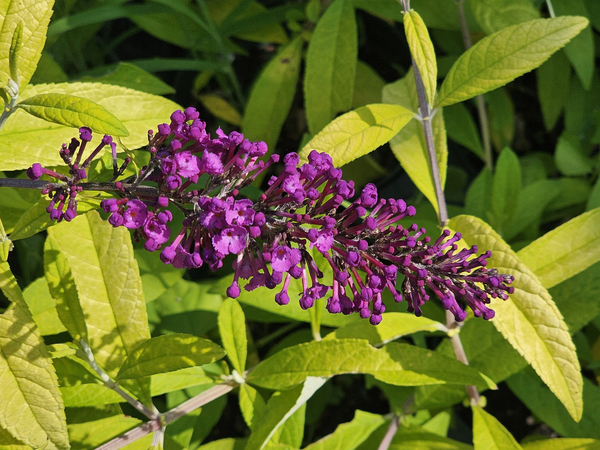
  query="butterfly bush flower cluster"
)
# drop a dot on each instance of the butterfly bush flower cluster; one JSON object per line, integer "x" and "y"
{"x": 297, "y": 229}
{"x": 63, "y": 196}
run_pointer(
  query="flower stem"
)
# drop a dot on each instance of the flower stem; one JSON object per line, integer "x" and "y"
{"x": 550, "y": 8}
{"x": 481, "y": 110}
{"x": 389, "y": 434}
{"x": 89, "y": 357}
{"x": 430, "y": 144}
{"x": 460, "y": 354}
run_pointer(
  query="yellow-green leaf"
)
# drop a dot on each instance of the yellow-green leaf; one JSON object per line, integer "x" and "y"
{"x": 63, "y": 290}
{"x": 505, "y": 55}
{"x": 422, "y": 52}
{"x": 331, "y": 65}
{"x": 349, "y": 436}
{"x": 6, "y": 244}
{"x": 35, "y": 16}
{"x": 31, "y": 407}
{"x": 397, "y": 364}
{"x": 43, "y": 307}
{"x": 359, "y": 132}
{"x": 252, "y": 405}
{"x": 221, "y": 109}
{"x": 494, "y": 15}
{"x": 15, "y": 47}
{"x": 279, "y": 409}
{"x": 565, "y": 251}
{"x": 489, "y": 434}
{"x": 367, "y": 85}
{"x": 409, "y": 144}
{"x": 110, "y": 290}
{"x": 529, "y": 319}
{"x": 25, "y": 139}
{"x": 562, "y": 444}
{"x": 232, "y": 327}
{"x": 74, "y": 112}
{"x": 392, "y": 327}
{"x": 168, "y": 353}
{"x": 272, "y": 95}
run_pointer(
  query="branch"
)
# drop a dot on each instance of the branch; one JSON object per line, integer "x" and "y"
{"x": 481, "y": 110}
{"x": 164, "y": 419}
{"x": 459, "y": 351}
{"x": 24, "y": 183}
{"x": 389, "y": 434}
{"x": 429, "y": 142}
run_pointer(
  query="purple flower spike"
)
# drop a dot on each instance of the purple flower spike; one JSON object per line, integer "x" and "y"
{"x": 303, "y": 226}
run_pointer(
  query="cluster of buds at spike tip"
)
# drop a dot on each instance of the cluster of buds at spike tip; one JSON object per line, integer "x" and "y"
{"x": 276, "y": 237}
{"x": 63, "y": 193}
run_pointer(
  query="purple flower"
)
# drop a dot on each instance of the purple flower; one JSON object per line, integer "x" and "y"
{"x": 135, "y": 214}
{"x": 187, "y": 164}
{"x": 283, "y": 258}
{"x": 157, "y": 231}
{"x": 230, "y": 240}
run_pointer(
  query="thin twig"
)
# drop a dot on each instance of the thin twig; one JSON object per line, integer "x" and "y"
{"x": 481, "y": 110}
{"x": 430, "y": 144}
{"x": 389, "y": 434}
{"x": 459, "y": 351}
{"x": 550, "y": 8}
{"x": 164, "y": 419}
{"x": 91, "y": 360}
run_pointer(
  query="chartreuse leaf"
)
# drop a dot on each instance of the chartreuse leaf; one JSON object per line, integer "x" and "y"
{"x": 25, "y": 139}
{"x": 74, "y": 112}
{"x": 31, "y": 408}
{"x": 565, "y": 251}
{"x": 494, "y": 15}
{"x": 489, "y": 434}
{"x": 15, "y": 47}
{"x": 506, "y": 187}
{"x": 8, "y": 442}
{"x": 63, "y": 290}
{"x": 110, "y": 290}
{"x": 272, "y": 95}
{"x": 422, "y": 52}
{"x": 168, "y": 353}
{"x": 529, "y": 319}
{"x": 367, "y": 84}
{"x": 359, "y": 132}
{"x": 280, "y": 407}
{"x": 506, "y": 55}
{"x": 225, "y": 444}
{"x": 36, "y": 218}
{"x": 394, "y": 326}
{"x": 461, "y": 128}
{"x": 537, "y": 398}
{"x": 92, "y": 434}
{"x": 331, "y": 65}
{"x": 553, "y": 81}
{"x": 409, "y": 144}
{"x": 252, "y": 404}
{"x": 580, "y": 51}
{"x": 6, "y": 244}
{"x": 232, "y": 328}
{"x": 34, "y": 16}
{"x": 562, "y": 444}
{"x": 350, "y": 435}
{"x": 221, "y": 108}
{"x": 397, "y": 364}
{"x": 417, "y": 438}
{"x": 43, "y": 307}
